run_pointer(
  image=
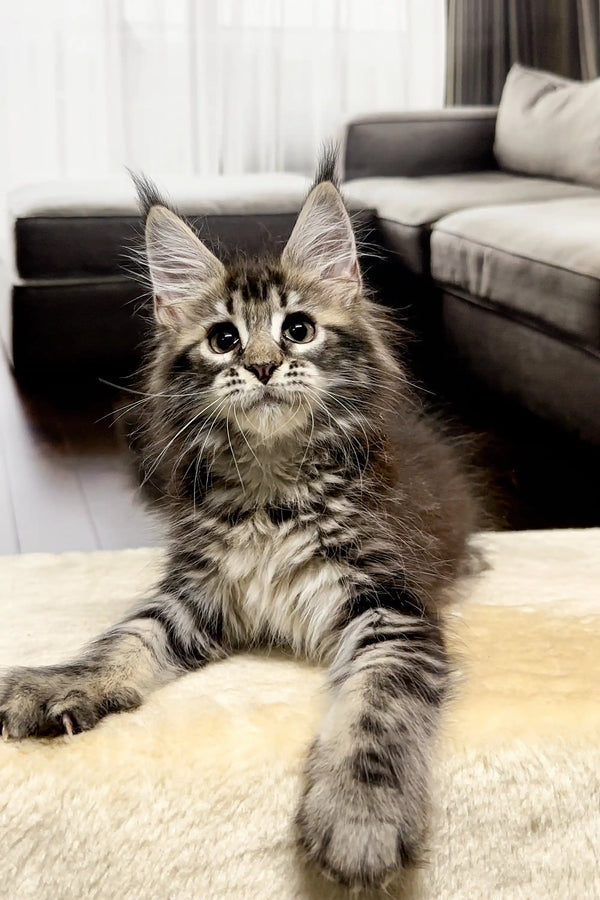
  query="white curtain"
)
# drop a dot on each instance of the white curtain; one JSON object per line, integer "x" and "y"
{"x": 202, "y": 86}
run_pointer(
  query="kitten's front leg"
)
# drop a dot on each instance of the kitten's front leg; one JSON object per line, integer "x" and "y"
{"x": 166, "y": 636}
{"x": 363, "y": 815}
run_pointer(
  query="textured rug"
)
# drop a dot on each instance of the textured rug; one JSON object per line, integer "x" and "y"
{"x": 192, "y": 796}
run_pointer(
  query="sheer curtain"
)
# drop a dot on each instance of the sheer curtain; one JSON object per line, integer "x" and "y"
{"x": 202, "y": 86}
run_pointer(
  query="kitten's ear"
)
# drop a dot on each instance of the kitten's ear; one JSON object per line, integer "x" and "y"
{"x": 322, "y": 239}
{"x": 179, "y": 265}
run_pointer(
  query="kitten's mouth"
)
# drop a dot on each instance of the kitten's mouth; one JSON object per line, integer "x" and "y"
{"x": 267, "y": 398}
{"x": 268, "y": 411}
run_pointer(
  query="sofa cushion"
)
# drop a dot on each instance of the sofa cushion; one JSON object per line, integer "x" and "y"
{"x": 78, "y": 229}
{"x": 548, "y": 125}
{"x": 407, "y": 207}
{"x": 540, "y": 261}
{"x": 212, "y": 195}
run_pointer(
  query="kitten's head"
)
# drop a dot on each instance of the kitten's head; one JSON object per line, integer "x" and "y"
{"x": 269, "y": 346}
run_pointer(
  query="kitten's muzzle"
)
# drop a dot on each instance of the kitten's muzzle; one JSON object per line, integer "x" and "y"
{"x": 263, "y": 371}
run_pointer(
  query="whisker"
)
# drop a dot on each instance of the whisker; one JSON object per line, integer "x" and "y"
{"x": 234, "y": 456}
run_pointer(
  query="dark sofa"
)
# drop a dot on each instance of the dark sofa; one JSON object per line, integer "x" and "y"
{"x": 499, "y": 272}
{"x": 506, "y": 266}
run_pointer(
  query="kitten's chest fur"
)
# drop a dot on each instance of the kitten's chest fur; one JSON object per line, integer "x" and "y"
{"x": 270, "y": 570}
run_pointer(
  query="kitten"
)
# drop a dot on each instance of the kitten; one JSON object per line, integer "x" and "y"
{"x": 310, "y": 506}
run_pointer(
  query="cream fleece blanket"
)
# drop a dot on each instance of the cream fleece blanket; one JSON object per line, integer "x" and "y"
{"x": 192, "y": 796}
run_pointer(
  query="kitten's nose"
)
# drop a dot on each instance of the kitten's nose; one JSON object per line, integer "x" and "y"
{"x": 263, "y": 371}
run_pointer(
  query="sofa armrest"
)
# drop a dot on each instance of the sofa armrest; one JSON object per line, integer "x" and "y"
{"x": 436, "y": 142}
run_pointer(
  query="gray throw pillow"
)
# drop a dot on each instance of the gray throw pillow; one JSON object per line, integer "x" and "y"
{"x": 549, "y": 126}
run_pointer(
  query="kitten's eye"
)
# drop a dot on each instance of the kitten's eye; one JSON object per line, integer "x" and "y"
{"x": 298, "y": 328}
{"x": 223, "y": 337}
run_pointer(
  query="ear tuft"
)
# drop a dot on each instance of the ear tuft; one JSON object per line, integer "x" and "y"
{"x": 147, "y": 193}
{"x": 328, "y": 165}
{"x": 323, "y": 240}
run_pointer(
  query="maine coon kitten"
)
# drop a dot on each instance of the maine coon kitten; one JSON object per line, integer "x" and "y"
{"x": 310, "y": 505}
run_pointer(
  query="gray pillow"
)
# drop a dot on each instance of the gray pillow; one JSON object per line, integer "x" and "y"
{"x": 549, "y": 126}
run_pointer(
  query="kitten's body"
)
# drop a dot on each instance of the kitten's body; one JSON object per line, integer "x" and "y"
{"x": 309, "y": 506}
{"x": 285, "y": 530}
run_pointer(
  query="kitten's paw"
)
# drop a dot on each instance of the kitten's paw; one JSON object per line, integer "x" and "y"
{"x": 358, "y": 833}
{"x": 47, "y": 702}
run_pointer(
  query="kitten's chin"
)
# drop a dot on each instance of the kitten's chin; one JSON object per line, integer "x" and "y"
{"x": 271, "y": 416}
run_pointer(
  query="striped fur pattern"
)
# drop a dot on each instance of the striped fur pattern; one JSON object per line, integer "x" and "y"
{"x": 310, "y": 505}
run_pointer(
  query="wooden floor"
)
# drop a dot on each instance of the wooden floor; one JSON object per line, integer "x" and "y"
{"x": 65, "y": 483}
{"x": 64, "y": 480}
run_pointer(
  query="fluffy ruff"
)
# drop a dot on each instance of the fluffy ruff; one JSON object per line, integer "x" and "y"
{"x": 193, "y": 795}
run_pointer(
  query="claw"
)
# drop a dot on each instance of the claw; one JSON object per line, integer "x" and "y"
{"x": 5, "y": 734}
{"x": 68, "y": 724}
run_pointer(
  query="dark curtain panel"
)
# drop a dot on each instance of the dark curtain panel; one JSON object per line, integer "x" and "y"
{"x": 588, "y": 21}
{"x": 485, "y": 37}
